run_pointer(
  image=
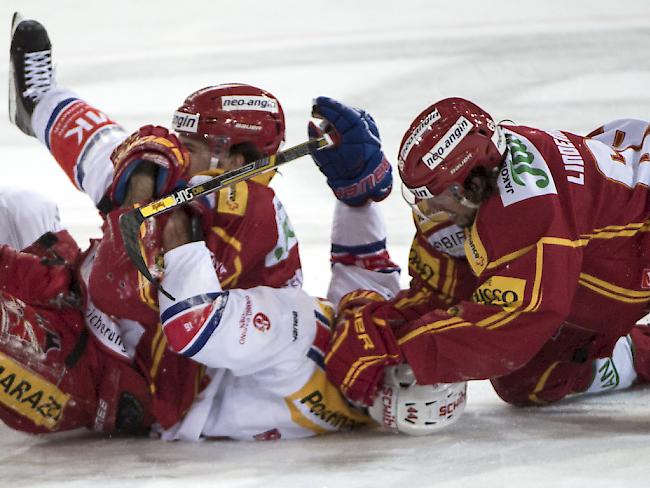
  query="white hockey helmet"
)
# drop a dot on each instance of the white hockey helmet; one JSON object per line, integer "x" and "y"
{"x": 404, "y": 406}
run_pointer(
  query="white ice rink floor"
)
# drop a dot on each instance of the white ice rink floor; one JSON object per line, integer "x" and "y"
{"x": 553, "y": 64}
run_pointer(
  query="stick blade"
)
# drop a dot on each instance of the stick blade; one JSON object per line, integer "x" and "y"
{"x": 130, "y": 229}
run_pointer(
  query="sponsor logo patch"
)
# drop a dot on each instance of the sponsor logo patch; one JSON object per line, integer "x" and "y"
{"x": 475, "y": 252}
{"x": 525, "y": 173}
{"x": 294, "y": 326}
{"x": 331, "y": 414}
{"x": 244, "y": 320}
{"x": 105, "y": 330}
{"x": 261, "y": 322}
{"x": 387, "y": 398}
{"x": 287, "y": 239}
{"x": 421, "y": 192}
{"x": 183, "y": 122}
{"x": 607, "y": 375}
{"x": 448, "y": 143}
{"x": 501, "y": 291}
{"x": 415, "y": 136}
{"x": 30, "y": 395}
{"x": 249, "y": 102}
{"x": 450, "y": 240}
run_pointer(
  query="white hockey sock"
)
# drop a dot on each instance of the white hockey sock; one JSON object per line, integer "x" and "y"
{"x": 616, "y": 372}
{"x": 44, "y": 109}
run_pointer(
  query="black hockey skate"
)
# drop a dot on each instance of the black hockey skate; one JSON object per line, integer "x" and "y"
{"x": 30, "y": 70}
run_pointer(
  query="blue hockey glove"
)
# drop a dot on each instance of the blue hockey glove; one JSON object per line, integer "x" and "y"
{"x": 356, "y": 168}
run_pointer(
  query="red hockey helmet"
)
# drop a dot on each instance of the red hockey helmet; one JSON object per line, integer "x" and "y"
{"x": 236, "y": 113}
{"x": 444, "y": 143}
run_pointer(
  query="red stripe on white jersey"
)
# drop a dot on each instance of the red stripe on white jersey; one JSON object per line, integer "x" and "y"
{"x": 73, "y": 133}
{"x": 322, "y": 339}
{"x": 185, "y": 327}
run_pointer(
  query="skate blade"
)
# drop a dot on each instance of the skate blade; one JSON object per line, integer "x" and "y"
{"x": 15, "y": 20}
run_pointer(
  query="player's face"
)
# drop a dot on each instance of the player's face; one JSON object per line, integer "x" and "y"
{"x": 199, "y": 151}
{"x": 205, "y": 156}
{"x": 448, "y": 204}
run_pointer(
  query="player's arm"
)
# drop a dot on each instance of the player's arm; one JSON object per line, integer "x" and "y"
{"x": 524, "y": 292}
{"x": 512, "y": 313}
{"x": 242, "y": 330}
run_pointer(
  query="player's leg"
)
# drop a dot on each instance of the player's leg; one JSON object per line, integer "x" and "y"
{"x": 53, "y": 377}
{"x": 560, "y": 368}
{"x": 80, "y": 137}
{"x": 566, "y": 366}
{"x": 628, "y": 365}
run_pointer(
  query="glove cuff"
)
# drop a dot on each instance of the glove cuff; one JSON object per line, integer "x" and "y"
{"x": 375, "y": 183}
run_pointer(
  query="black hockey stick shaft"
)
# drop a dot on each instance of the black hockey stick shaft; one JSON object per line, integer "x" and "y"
{"x": 131, "y": 221}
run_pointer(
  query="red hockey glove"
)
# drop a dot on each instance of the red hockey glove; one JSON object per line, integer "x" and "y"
{"x": 153, "y": 144}
{"x": 362, "y": 346}
{"x": 26, "y": 277}
{"x": 114, "y": 283}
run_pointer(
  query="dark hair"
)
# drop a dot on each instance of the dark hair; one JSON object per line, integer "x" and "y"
{"x": 481, "y": 183}
{"x": 246, "y": 149}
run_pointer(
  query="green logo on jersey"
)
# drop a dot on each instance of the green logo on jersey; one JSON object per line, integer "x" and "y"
{"x": 521, "y": 163}
{"x": 288, "y": 234}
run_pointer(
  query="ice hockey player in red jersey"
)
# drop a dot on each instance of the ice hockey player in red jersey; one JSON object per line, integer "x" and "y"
{"x": 556, "y": 235}
{"x": 441, "y": 276}
{"x": 250, "y": 232}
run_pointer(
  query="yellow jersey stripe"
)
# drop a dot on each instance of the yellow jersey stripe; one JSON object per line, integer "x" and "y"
{"x": 541, "y": 384}
{"x": 607, "y": 294}
{"x": 509, "y": 257}
{"x": 605, "y": 285}
{"x": 428, "y": 327}
{"x": 231, "y": 281}
{"x": 228, "y": 239}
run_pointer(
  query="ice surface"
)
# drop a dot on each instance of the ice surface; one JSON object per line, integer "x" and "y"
{"x": 554, "y": 64}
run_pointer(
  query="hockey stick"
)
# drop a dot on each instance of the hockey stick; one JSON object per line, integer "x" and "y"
{"x": 130, "y": 221}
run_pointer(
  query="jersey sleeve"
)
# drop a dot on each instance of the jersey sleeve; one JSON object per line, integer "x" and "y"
{"x": 245, "y": 331}
{"x": 515, "y": 309}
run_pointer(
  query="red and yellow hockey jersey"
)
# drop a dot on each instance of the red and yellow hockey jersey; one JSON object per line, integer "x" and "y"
{"x": 252, "y": 242}
{"x": 441, "y": 275}
{"x": 565, "y": 240}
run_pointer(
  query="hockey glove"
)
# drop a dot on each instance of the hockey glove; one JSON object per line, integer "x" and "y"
{"x": 356, "y": 168}
{"x": 362, "y": 346}
{"x": 153, "y": 144}
{"x": 27, "y": 278}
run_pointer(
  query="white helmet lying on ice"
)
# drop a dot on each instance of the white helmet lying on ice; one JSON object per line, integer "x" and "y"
{"x": 404, "y": 406}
